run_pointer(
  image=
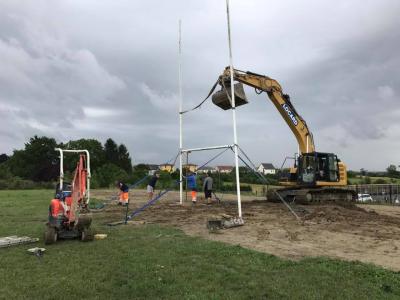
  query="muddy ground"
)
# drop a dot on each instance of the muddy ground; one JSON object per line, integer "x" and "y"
{"x": 367, "y": 233}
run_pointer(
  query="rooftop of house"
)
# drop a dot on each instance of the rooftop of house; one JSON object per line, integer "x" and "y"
{"x": 152, "y": 166}
{"x": 268, "y": 166}
{"x": 206, "y": 168}
{"x": 224, "y": 167}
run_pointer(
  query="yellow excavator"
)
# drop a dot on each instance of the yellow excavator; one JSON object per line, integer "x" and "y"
{"x": 315, "y": 176}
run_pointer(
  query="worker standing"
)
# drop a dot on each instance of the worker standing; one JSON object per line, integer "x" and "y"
{"x": 123, "y": 194}
{"x": 207, "y": 187}
{"x": 151, "y": 185}
{"x": 191, "y": 184}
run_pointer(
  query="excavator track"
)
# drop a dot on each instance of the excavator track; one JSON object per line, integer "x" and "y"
{"x": 322, "y": 195}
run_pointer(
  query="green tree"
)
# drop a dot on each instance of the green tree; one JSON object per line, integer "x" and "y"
{"x": 124, "y": 160}
{"x": 392, "y": 171}
{"x": 141, "y": 167}
{"x": 111, "y": 151}
{"x": 5, "y": 172}
{"x": 165, "y": 180}
{"x": 3, "y": 158}
{"x": 37, "y": 161}
{"x": 95, "y": 148}
{"x": 139, "y": 171}
{"x": 380, "y": 181}
{"x": 367, "y": 180}
{"x": 351, "y": 174}
{"x": 108, "y": 174}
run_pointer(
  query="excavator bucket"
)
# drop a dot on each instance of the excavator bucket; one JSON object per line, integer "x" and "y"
{"x": 222, "y": 100}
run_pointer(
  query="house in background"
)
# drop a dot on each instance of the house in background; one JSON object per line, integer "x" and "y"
{"x": 206, "y": 169}
{"x": 266, "y": 168}
{"x": 224, "y": 169}
{"x": 190, "y": 167}
{"x": 152, "y": 169}
{"x": 167, "y": 168}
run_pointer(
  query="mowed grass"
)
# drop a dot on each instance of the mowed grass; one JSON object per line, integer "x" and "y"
{"x": 154, "y": 262}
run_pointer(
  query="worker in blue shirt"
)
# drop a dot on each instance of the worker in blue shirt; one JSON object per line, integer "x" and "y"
{"x": 191, "y": 184}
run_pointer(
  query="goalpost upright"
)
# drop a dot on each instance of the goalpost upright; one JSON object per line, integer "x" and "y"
{"x": 234, "y": 146}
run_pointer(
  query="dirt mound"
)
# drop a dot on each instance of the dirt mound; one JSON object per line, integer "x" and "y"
{"x": 348, "y": 214}
{"x": 370, "y": 233}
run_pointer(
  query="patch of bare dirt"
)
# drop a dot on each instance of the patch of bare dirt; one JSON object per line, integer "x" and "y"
{"x": 368, "y": 233}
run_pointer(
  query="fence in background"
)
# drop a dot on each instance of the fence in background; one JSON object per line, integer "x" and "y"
{"x": 380, "y": 193}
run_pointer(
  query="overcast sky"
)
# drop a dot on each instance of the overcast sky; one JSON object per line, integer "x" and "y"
{"x": 99, "y": 69}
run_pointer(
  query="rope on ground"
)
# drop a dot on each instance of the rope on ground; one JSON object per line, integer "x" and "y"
{"x": 287, "y": 205}
{"x": 204, "y": 100}
{"x": 140, "y": 209}
{"x": 266, "y": 181}
{"x": 151, "y": 202}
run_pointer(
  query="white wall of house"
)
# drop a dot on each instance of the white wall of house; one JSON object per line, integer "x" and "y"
{"x": 264, "y": 171}
{"x": 225, "y": 171}
{"x": 203, "y": 171}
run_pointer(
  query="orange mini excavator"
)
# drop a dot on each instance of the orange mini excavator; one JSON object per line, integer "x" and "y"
{"x": 69, "y": 216}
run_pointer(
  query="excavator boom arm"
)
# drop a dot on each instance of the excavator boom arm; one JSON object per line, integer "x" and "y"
{"x": 281, "y": 101}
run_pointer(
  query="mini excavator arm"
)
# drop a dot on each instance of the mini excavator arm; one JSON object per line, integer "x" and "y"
{"x": 79, "y": 187}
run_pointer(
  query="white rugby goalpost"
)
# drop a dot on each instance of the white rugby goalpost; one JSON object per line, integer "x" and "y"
{"x": 234, "y": 146}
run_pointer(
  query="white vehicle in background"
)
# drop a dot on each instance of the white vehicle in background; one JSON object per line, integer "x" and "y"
{"x": 364, "y": 198}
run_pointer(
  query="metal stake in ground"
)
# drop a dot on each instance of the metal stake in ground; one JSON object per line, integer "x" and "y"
{"x": 126, "y": 211}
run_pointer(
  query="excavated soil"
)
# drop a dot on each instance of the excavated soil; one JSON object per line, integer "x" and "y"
{"x": 367, "y": 233}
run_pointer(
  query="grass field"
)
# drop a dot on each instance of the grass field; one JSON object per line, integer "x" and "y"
{"x": 152, "y": 262}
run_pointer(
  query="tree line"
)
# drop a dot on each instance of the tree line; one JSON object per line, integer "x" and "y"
{"x": 37, "y": 165}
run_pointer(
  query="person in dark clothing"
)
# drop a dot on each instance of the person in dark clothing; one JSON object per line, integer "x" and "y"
{"x": 207, "y": 187}
{"x": 152, "y": 184}
{"x": 123, "y": 193}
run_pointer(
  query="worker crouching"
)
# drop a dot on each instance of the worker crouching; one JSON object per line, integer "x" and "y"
{"x": 123, "y": 194}
{"x": 57, "y": 210}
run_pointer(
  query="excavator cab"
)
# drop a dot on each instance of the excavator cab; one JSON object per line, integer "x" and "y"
{"x": 317, "y": 167}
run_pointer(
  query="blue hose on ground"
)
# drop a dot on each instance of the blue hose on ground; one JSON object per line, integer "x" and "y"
{"x": 151, "y": 202}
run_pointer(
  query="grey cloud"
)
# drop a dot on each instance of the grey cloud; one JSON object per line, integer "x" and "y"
{"x": 65, "y": 64}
